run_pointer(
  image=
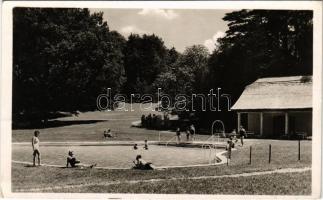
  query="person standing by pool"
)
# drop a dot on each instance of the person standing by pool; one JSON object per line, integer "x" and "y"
{"x": 35, "y": 144}
{"x": 146, "y": 145}
{"x": 188, "y": 134}
{"x": 178, "y": 134}
{"x": 192, "y": 131}
{"x": 242, "y": 133}
{"x": 229, "y": 148}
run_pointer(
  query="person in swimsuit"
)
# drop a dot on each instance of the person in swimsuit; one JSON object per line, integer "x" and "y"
{"x": 36, "y": 151}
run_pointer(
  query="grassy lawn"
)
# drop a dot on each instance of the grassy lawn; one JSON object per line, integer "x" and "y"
{"x": 275, "y": 184}
{"x": 24, "y": 177}
{"x": 89, "y": 126}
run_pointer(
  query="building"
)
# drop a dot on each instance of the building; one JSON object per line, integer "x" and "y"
{"x": 276, "y": 107}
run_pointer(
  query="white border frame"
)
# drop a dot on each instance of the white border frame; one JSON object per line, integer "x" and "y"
{"x": 6, "y": 86}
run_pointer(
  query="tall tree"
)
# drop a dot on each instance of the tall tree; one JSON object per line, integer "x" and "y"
{"x": 63, "y": 59}
{"x": 145, "y": 59}
{"x": 261, "y": 43}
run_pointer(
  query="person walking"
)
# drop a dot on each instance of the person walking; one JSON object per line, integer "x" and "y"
{"x": 242, "y": 133}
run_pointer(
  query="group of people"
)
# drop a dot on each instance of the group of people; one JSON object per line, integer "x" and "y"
{"x": 139, "y": 162}
{"x": 190, "y": 132}
{"x": 151, "y": 121}
{"x": 135, "y": 146}
{"x": 71, "y": 160}
{"x": 242, "y": 134}
{"x": 233, "y": 139}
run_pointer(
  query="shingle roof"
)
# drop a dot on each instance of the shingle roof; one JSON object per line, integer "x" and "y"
{"x": 293, "y": 92}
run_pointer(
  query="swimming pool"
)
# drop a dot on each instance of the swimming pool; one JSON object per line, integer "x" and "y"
{"x": 115, "y": 156}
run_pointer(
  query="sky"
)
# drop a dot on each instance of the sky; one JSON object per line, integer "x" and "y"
{"x": 178, "y": 28}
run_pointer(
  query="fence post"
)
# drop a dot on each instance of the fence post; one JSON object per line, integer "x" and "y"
{"x": 250, "y": 155}
{"x": 299, "y": 150}
{"x": 269, "y": 153}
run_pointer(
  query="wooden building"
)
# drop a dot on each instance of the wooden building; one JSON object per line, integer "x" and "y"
{"x": 276, "y": 107}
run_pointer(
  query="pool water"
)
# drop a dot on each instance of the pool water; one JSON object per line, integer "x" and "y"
{"x": 115, "y": 156}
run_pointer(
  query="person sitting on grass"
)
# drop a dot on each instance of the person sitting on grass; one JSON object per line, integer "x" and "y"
{"x": 35, "y": 144}
{"x": 141, "y": 164}
{"x": 107, "y": 134}
{"x": 73, "y": 162}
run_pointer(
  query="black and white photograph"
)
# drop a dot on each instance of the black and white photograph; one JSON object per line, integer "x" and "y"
{"x": 179, "y": 99}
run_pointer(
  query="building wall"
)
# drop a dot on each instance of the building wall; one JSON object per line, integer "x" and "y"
{"x": 302, "y": 122}
{"x": 268, "y": 124}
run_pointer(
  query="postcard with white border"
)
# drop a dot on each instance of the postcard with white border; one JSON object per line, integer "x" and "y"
{"x": 160, "y": 99}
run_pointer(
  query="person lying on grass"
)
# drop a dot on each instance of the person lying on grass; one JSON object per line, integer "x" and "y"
{"x": 142, "y": 164}
{"x": 35, "y": 144}
{"x": 73, "y": 162}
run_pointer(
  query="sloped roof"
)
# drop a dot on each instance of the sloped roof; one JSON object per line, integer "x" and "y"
{"x": 293, "y": 92}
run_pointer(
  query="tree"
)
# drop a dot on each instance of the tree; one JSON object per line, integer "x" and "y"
{"x": 145, "y": 59}
{"x": 63, "y": 59}
{"x": 192, "y": 68}
{"x": 261, "y": 43}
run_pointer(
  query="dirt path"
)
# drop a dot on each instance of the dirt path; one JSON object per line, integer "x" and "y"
{"x": 277, "y": 171}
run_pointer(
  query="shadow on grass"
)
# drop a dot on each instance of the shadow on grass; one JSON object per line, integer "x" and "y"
{"x": 29, "y": 165}
{"x": 52, "y": 124}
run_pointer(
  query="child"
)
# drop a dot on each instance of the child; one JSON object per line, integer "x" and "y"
{"x": 146, "y": 145}
{"x": 135, "y": 147}
{"x": 35, "y": 144}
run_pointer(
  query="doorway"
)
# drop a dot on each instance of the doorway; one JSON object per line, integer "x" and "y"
{"x": 278, "y": 125}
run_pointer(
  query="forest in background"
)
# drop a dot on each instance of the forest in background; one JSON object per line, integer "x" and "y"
{"x": 64, "y": 58}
